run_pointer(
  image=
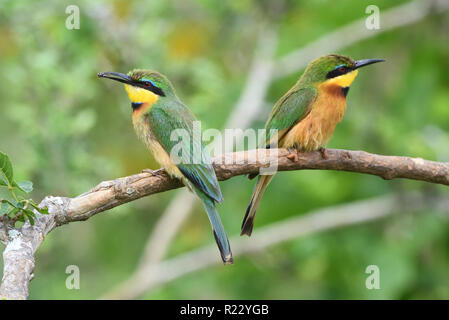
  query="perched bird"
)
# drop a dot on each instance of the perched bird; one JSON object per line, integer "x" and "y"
{"x": 157, "y": 112}
{"x": 306, "y": 116}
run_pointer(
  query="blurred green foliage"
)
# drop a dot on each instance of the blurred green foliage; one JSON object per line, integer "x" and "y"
{"x": 14, "y": 205}
{"x": 66, "y": 130}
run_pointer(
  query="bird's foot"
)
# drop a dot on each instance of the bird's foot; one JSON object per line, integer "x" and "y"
{"x": 293, "y": 156}
{"x": 152, "y": 172}
{"x": 323, "y": 152}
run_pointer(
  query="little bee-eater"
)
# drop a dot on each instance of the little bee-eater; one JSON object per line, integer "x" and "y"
{"x": 306, "y": 116}
{"x": 157, "y": 112}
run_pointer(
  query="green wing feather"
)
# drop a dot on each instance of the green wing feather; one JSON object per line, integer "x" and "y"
{"x": 166, "y": 118}
{"x": 294, "y": 106}
{"x": 194, "y": 161}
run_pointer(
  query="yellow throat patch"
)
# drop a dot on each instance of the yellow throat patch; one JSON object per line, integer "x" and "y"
{"x": 344, "y": 80}
{"x": 139, "y": 95}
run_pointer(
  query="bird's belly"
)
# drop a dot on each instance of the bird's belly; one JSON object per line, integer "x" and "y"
{"x": 160, "y": 155}
{"x": 316, "y": 129}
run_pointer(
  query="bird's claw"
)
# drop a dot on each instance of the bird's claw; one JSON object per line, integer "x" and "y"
{"x": 152, "y": 172}
{"x": 323, "y": 152}
{"x": 293, "y": 156}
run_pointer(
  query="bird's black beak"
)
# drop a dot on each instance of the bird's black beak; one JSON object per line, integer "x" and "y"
{"x": 365, "y": 62}
{"x": 121, "y": 77}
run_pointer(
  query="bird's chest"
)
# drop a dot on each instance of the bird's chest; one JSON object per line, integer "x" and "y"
{"x": 142, "y": 127}
{"x": 143, "y": 131}
{"x": 316, "y": 129}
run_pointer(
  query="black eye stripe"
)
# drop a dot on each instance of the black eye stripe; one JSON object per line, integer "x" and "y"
{"x": 148, "y": 85}
{"x": 338, "y": 72}
{"x": 157, "y": 91}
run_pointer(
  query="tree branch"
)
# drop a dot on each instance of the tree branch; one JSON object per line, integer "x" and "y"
{"x": 386, "y": 167}
{"x": 22, "y": 243}
{"x": 113, "y": 193}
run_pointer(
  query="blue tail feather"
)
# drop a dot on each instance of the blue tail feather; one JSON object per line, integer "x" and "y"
{"x": 219, "y": 231}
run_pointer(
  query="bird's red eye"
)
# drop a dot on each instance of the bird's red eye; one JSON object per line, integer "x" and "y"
{"x": 342, "y": 69}
{"x": 147, "y": 83}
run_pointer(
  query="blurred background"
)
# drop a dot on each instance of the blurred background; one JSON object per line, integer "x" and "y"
{"x": 230, "y": 61}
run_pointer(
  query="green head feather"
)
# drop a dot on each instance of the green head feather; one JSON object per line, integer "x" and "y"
{"x": 319, "y": 69}
{"x": 153, "y": 78}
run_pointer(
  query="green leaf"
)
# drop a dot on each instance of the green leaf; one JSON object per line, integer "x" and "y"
{"x": 21, "y": 218}
{"x": 9, "y": 202}
{"x": 5, "y": 207}
{"x": 3, "y": 180}
{"x": 31, "y": 220}
{"x": 13, "y": 212}
{"x": 6, "y": 172}
{"x": 41, "y": 210}
{"x": 30, "y": 215}
{"x": 29, "y": 212}
{"x": 25, "y": 186}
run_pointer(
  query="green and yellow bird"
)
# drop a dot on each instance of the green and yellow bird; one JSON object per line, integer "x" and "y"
{"x": 306, "y": 116}
{"x": 157, "y": 112}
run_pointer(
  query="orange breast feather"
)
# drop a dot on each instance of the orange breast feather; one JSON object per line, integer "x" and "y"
{"x": 316, "y": 129}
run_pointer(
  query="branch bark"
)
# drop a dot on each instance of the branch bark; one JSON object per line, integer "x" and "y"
{"x": 22, "y": 243}
{"x": 113, "y": 193}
